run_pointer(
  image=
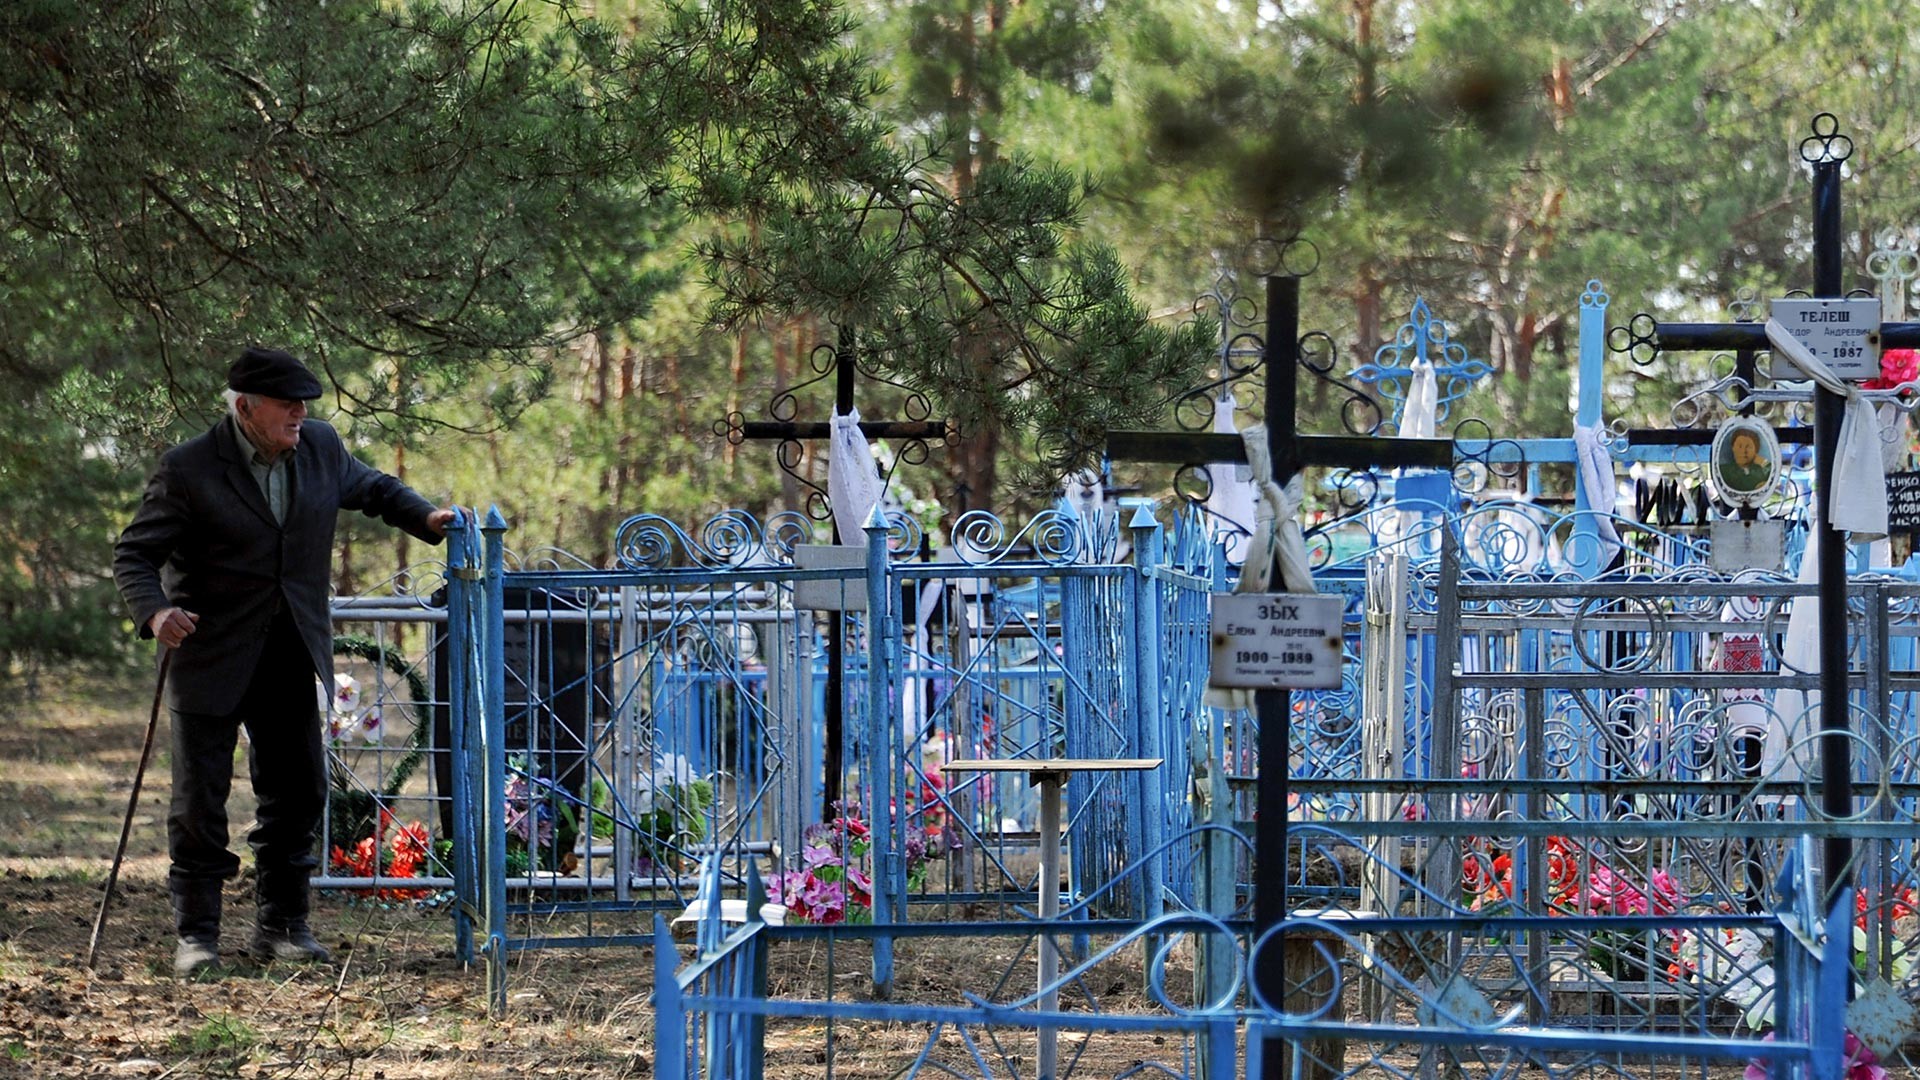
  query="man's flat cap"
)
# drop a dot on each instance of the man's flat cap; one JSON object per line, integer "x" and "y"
{"x": 273, "y": 373}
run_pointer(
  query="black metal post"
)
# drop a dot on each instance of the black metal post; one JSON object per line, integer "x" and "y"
{"x": 1836, "y": 751}
{"x": 836, "y": 718}
{"x": 1274, "y": 708}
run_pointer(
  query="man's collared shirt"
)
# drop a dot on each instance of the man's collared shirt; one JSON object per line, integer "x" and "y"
{"x": 273, "y": 474}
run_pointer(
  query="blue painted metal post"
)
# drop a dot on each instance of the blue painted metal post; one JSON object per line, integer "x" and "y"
{"x": 881, "y": 764}
{"x": 1152, "y": 801}
{"x": 1080, "y": 737}
{"x": 463, "y": 609}
{"x": 494, "y": 718}
{"x": 1584, "y": 548}
{"x": 1216, "y": 1063}
{"x": 1217, "y": 885}
{"x": 752, "y": 1059}
{"x": 1836, "y": 978}
{"x": 669, "y": 1013}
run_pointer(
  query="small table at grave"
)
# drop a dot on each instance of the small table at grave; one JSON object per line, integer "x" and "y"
{"x": 1050, "y": 774}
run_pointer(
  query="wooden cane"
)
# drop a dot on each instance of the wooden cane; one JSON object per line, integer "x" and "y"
{"x": 133, "y": 803}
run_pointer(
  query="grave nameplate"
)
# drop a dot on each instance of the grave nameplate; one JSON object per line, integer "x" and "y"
{"x": 1747, "y": 545}
{"x": 1276, "y": 640}
{"x": 1845, "y": 334}
{"x": 831, "y": 594}
{"x": 1903, "y": 502}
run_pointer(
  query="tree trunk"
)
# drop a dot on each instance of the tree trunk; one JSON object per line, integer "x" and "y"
{"x": 977, "y": 470}
{"x": 738, "y": 372}
{"x": 400, "y": 538}
{"x": 343, "y": 578}
{"x": 1526, "y": 337}
{"x": 602, "y": 516}
{"x": 1366, "y": 313}
{"x": 626, "y": 471}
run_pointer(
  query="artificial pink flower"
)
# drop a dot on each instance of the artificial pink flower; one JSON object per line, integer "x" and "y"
{"x": 1896, "y": 366}
{"x": 1667, "y": 897}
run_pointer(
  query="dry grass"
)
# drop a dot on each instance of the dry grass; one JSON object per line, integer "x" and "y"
{"x": 397, "y": 1005}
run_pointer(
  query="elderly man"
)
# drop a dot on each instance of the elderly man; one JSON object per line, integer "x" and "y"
{"x": 227, "y": 562}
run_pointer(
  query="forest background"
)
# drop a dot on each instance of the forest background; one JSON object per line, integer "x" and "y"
{"x": 539, "y": 249}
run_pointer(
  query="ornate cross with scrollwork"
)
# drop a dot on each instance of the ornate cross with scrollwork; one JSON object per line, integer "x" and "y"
{"x": 1291, "y": 452}
{"x": 842, "y": 363}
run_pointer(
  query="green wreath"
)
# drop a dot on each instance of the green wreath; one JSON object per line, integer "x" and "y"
{"x": 353, "y": 811}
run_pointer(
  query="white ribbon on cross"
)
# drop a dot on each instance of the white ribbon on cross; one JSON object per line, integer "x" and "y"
{"x": 1857, "y": 501}
{"x": 1277, "y": 539}
{"x": 1421, "y": 414}
{"x": 1230, "y": 487}
{"x": 1419, "y": 417}
{"x": 1594, "y": 474}
{"x": 853, "y": 479}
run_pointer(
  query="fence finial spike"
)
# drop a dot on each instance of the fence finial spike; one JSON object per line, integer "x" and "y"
{"x": 756, "y": 893}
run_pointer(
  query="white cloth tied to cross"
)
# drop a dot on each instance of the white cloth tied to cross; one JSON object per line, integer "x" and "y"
{"x": 853, "y": 481}
{"x": 1857, "y": 499}
{"x": 1420, "y": 416}
{"x": 1857, "y": 503}
{"x": 1594, "y": 474}
{"x": 1277, "y": 539}
{"x": 1230, "y": 488}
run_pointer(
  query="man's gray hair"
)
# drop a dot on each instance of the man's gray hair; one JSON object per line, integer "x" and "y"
{"x": 233, "y": 401}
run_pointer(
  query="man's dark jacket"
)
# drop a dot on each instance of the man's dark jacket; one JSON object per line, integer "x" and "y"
{"x": 204, "y": 540}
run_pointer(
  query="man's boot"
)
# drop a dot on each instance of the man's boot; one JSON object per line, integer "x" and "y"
{"x": 196, "y": 921}
{"x": 280, "y": 931}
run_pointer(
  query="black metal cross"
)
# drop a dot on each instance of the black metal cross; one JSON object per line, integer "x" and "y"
{"x": 1825, "y": 150}
{"x": 1290, "y": 452}
{"x": 791, "y": 434}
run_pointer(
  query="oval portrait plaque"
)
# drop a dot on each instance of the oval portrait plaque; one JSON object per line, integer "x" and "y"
{"x": 1746, "y": 461}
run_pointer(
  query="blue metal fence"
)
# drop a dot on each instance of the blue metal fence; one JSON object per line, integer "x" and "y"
{"x": 716, "y": 1017}
{"x": 615, "y": 727}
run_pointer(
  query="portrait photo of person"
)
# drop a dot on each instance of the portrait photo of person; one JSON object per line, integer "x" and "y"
{"x": 1746, "y": 460}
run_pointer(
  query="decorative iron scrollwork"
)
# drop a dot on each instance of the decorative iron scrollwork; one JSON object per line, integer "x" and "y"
{"x": 1894, "y": 260}
{"x": 1488, "y": 458}
{"x": 785, "y": 406}
{"x": 1826, "y": 145}
{"x": 1054, "y": 537}
{"x": 1595, "y": 295}
{"x": 1284, "y": 253}
{"x": 911, "y": 447}
{"x": 1424, "y": 339}
{"x": 652, "y": 542}
{"x": 787, "y": 530}
{"x": 1360, "y": 414}
{"x": 1242, "y": 350}
{"x": 1639, "y": 339}
{"x": 815, "y": 503}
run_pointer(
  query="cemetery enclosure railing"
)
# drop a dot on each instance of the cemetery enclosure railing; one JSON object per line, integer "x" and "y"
{"x": 616, "y": 727}
{"x": 1365, "y": 996}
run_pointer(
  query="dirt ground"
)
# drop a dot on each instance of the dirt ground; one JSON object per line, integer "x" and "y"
{"x": 396, "y": 1005}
